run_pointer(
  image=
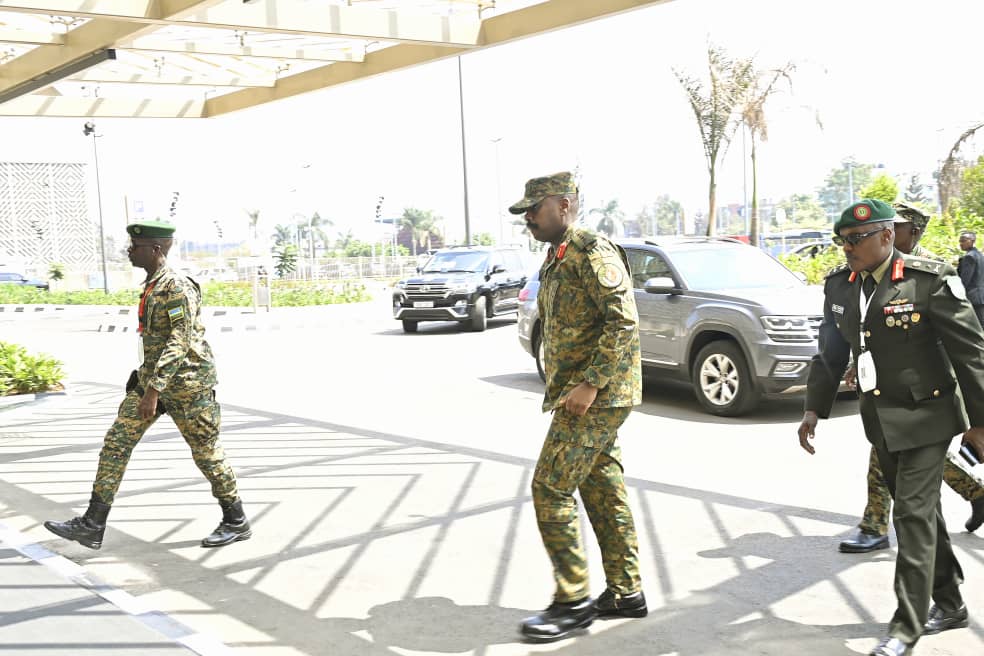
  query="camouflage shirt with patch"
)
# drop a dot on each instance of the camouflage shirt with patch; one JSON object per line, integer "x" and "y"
{"x": 590, "y": 325}
{"x": 177, "y": 358}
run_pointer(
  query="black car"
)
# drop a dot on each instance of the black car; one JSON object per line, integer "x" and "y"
{"x": 14, "y": 278}
{"x": 467, "y": 284}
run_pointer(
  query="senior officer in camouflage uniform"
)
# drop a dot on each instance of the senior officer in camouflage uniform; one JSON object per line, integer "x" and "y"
{"x": 910, "y": 225}
{"x": 594, "y": 377}
{"x": 176, "y": 376}
{"x": 905, "y": 319}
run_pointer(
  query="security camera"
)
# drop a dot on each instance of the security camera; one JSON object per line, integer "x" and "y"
{"x": 88, "y": 128}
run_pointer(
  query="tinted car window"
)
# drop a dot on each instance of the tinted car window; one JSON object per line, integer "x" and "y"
{"x": 731, "y": 268}
{"x": 646, "y": 265}
{"x": 513, "y": 261}
{"x": 464, "y": 262}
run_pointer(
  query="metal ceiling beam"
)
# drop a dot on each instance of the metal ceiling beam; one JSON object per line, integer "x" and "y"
{"x": 191, "y": 80}
{"x": 53, "y": 75}
{"x": 37, "y": 105}
{"x": 91, "y": 37}
{"x": 521, "y": 23}
{"x": 275, "y": 16}
{"x": 150, "y": 44}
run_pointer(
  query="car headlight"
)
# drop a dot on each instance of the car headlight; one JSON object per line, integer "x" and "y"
{"x": 401, "y": 284}
{"x": 789, "y": 328}
{"x": 464, "y": 289}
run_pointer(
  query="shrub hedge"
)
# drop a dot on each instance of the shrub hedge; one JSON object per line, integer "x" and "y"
{"x": 23, "y": 373}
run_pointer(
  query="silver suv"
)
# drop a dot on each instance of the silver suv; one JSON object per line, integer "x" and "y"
{"x": 723, "y": 315}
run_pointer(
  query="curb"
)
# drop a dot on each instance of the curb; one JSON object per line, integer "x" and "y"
{"x": 156, "y": 620}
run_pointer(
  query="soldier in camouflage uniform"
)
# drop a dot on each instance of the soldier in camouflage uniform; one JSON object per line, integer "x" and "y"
{"x": 176, "y": 376}
{"x": 594, "y": 377}
{"x": 872, "y": 534}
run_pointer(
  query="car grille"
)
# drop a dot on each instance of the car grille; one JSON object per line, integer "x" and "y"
{"x": 424, "y": 291}
{"x": 809, "y": 335}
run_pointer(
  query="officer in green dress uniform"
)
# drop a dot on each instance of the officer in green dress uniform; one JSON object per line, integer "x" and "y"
{"x": 594, "y": 377}
{"x": 905, "y": 319}
{"x": 872, "y": 533}
{"x": 176, "y": 375}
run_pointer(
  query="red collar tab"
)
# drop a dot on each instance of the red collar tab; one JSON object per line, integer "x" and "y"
{"x": 898, "y": 266}
{"x": 561, "y": 250}
{"x": 853, "y": 276}
{"x": 141, "y": 309}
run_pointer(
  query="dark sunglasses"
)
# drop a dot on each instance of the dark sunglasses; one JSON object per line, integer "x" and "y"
{"x": 854, "y": 239}
{"x": 134, "y": 246}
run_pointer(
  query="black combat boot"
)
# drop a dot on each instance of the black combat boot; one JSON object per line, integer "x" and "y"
{"x": 233, "y": 527}
{"x": 559, "y": 621}
{"x": 88, "y": 529}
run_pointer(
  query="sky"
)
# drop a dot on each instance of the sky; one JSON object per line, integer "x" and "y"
{"x": 893, "y": 82}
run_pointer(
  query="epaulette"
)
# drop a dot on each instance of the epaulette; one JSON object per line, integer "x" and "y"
{"x": 585, "y": 240}
{"x": 924, "y": 264}
{"x": 837, "y": 269}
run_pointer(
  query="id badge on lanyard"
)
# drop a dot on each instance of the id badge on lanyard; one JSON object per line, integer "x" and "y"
{"x": 867, "y": 378}
{"x": 142, "y": 321}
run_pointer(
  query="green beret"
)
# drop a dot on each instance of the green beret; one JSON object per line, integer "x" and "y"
{"x": 537, "y": 189}
{"x": 151, "y": 229}
{"x": 863, "y": 212}
{"x": 906, "y": 213}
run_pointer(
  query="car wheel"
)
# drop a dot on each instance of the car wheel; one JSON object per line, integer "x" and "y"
{"x": 409, "y": 326}
{"x": 538, "y": 353}
{"x": 722, "y": 380}
{"x": 478, "y": 320}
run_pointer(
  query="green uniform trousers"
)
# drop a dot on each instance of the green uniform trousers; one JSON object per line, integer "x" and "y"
{"x": 198, "y": 419}
{"x": 926, "y": 567}
{"x": 579, "y": 453}
{"x": 874, "y": 521}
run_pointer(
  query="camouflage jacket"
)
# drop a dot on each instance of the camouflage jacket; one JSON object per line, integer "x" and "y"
{"x": 176, "y": 356}
{"x": 590, "y": 323}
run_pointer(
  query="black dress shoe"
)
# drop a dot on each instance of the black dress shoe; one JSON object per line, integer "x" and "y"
{"x": 863, "y": 543}
{"x": 976, "y": 515}
{"x": 941, "y": 620}
{"x": 891, "y": 647}
{"x": 611, "y": 605}
{"x": 559, "y": 620}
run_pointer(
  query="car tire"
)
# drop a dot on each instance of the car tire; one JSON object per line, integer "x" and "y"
{"x": 538, "y": 353}
{"x": 409, "y": 326}
{"x": 478, "y": 319}
{"x": 722, "y": 380}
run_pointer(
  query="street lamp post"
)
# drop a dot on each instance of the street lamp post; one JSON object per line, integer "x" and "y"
{"x": 87, "y": 129}
{"x": 498, "y": 190}
{"x": 464, "y": 154}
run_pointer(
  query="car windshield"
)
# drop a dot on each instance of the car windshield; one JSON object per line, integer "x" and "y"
{"x": 451, "y": 262}
{"x": 731, "y": 268}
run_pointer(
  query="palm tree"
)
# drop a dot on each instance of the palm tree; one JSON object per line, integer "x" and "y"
{"x": 714, "y": 109}
{"x": 422, "y": 224}
{"x": 313, "y": 229}
{"x": 753, "y": 117}
{"x": 611, "y": 217}
{"x": 283, "y": 234}
{"x": 254, "y": 219}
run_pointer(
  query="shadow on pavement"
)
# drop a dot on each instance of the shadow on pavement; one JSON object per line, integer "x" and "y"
{"x": 328, "y": 500}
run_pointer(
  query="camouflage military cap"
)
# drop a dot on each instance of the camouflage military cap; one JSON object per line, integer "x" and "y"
{"x": 863, "y": 212}
{"x": 537, "y": 189}
{"x": 906, "y": 213}
{"x": 151, "y": 229}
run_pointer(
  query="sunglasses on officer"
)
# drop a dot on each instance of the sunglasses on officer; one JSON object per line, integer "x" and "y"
{"x": 854, "y": 239}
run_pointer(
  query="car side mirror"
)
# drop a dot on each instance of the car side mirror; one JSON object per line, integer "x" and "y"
{"x": 419, "y": 269}
{"x": 662, "y": 285}
{"x": 498, "y": 268}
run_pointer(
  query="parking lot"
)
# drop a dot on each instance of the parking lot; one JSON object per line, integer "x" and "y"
{"x": 387, "y": 477}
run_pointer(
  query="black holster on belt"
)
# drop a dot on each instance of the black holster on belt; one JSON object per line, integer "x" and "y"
{"x": 133, "y": 385}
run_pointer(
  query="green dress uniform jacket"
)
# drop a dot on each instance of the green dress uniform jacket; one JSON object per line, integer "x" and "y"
{"x": 924, "y": 338}
{"x": 590, "y": 323}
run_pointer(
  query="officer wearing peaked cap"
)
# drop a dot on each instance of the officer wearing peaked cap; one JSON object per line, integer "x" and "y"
{"x": 592, "y": 359}
{"x": 905, "y": 320}
{"x": 175, "y": 375}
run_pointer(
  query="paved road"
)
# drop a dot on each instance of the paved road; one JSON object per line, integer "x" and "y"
{"x": 387, "y": 476}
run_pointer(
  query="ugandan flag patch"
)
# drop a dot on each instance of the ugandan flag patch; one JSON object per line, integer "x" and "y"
{"x": 175, "y": 314}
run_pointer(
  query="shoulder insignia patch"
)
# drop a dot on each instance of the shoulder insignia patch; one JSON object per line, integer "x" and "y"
{"x": 956, "y": 287}
{"x": 609, "y": 275}
{"x": 175, "y": 314}
{"x": 837, "y": 269}
{"x": 925, "y": 264}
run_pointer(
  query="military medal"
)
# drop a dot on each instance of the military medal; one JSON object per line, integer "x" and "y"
{"x": 890, "y": 321}
{"x": 916, "y": 317}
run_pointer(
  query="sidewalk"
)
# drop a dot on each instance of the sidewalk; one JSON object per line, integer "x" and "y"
{"x": 51, "y": 606}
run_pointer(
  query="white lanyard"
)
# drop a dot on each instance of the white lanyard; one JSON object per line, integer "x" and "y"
{"x": 863, "y": 304}
{"x": 867, "y": 375}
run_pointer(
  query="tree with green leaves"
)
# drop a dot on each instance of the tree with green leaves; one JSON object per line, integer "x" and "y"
{"x": 313, "y": 229}
{"x": 254, "y": 220}
{"x": 715, "y": 103}
{"x": 663, "y": 217}
{"x": 972, "y": 190}
{"x": 914, "y": 192}
{"x": 611, "y": 217}
{"x": 766, "y": 83}
{"x": 422, "y": 225}
{"x": 483, "y": 239}
{"x": 285, "y": 259}
{"x": 803, "y": 211}
{"x": 283, "y": 234}
{"x": 883, "y": 188}
{"x": 835, "y": 194}
{"x": 951, "y": 173}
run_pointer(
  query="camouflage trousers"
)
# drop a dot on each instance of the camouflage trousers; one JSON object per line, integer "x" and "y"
{"x": 579, "y": 453}
{"x": 876, "y": 513}
{"x": 197, "y": 416}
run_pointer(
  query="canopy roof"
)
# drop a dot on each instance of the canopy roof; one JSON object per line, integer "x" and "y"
{"x": 203, "y": 58}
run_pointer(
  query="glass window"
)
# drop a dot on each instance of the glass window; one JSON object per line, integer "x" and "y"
{"x": 458, "y": 262}
{"x": 645, "y": 265}
{"x": 731, "y": 268}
